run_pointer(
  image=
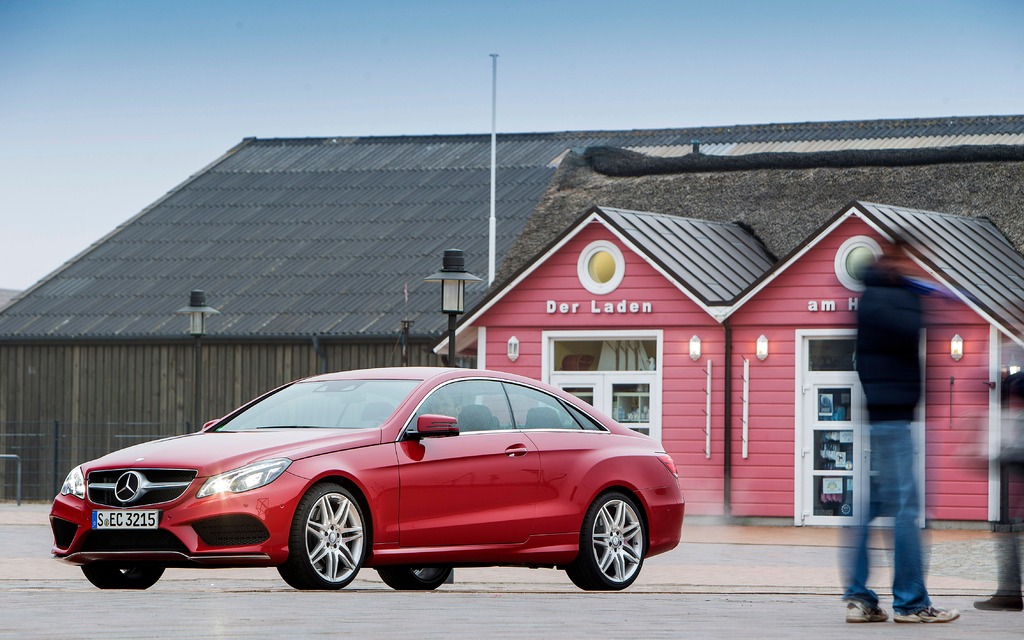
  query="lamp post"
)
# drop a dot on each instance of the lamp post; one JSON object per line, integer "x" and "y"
{"x": 197, "y": 310}
{"x": 453, "y": 278}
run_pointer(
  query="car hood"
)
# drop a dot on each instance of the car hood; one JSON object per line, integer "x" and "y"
{"x": 213, "y": 452}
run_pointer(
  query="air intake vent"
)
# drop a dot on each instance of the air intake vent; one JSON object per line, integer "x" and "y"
{"x": 231, "y": 531}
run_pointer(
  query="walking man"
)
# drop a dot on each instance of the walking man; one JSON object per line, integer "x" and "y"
{"x": 889, "y": 323}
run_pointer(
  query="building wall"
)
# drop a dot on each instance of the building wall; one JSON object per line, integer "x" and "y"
{"x": 523, "y": 313}
{"x": 139, "y": 382}
{"x": 955, "y": 480}
{"x": 61, "y": 404}
{"x": 800, "y": 298}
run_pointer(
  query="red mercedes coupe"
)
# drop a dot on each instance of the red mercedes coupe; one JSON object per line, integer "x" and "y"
{"x": 411, "y": 471}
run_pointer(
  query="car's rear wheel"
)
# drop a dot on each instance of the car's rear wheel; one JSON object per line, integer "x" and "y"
{"x": 403, "y": 578}
{"x": 326, "y": 547}
{"x": 107, "y": 575}
{"x": 612, "y": 545}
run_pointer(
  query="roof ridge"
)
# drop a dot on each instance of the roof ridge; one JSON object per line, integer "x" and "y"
{"x": 807, "y": 126}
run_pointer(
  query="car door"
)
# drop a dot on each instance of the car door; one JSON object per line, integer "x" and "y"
{"x": 478, "y": 487}
{"x": 572, "y": 446}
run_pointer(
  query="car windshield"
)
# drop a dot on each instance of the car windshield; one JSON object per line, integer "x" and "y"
{"x": 330, "y": 404}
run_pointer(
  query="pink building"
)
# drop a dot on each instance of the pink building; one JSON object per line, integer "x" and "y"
{"x": 742, "y": 365}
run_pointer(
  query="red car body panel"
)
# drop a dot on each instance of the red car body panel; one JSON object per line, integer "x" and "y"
{"x": 513, "y": 497}
{"x": 476, "y": 488}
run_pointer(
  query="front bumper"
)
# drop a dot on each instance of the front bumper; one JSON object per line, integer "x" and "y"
{"x": 225, "y": 530}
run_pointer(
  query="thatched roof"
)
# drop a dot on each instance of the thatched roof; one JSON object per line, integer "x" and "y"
{"x": 781, "y": 197}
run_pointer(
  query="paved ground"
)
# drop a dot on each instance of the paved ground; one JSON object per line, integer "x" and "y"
{"x": 713, "y": 558}
{"x": 723, "y": 581}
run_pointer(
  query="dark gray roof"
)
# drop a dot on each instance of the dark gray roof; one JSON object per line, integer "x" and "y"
{"x": 970, "y": 253}
{"x": 714, "y": 260}
{"x": 6, "y": 295}
{"x": 293, "y": 237}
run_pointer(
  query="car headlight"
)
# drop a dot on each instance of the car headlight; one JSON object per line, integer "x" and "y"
{"x": 74, "y": 484}
{"x": 251, "y": 476}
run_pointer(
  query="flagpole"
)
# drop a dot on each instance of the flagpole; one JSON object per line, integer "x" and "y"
{"x": 492, "y": 230}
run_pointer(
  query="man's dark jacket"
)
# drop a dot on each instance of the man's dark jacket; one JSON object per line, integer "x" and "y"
{"x": 888, "y": 332}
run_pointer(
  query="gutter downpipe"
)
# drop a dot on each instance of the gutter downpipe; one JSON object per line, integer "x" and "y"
{"x": 321, "y": 352}
{"x": 727, "y": 420}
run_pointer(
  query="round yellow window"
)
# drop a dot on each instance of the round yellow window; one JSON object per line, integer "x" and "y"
{"x": 602, "y": 267}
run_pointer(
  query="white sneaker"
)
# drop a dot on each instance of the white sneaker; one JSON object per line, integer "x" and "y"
{"x": 931, "y": 614}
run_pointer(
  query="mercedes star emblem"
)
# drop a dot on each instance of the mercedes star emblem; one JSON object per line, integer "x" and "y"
{"x": 128, "y": 485}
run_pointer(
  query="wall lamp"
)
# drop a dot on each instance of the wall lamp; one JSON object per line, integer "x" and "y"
{"x": 694, "y": 348}
{"x": 956, "y": 347}
{"x": 762, "y": 347}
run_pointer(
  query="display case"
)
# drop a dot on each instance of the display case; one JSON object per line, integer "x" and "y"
{"x": 833, "y": 449}
{"x": 833, "y": 496}
{"x": 834, "y": 404}
{"x": 631, "y": 403}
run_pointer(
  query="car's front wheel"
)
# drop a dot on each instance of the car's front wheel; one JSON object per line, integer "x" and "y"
{"x": 326, "y": 547}
{"x": 403, "y": 578}
{"x": 106, "y": 575}
{"x": 612, "y": 545}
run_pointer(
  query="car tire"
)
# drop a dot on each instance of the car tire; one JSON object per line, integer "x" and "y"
{"x": 326, "y": 546}
{"x": 613, "y": 543}
{"x": 107, "y": 575}
{"x": 403, "y": 578}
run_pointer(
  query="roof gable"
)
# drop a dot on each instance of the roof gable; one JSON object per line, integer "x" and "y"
{"x": 709, "y": 262}
{"x": 969, "y": 256}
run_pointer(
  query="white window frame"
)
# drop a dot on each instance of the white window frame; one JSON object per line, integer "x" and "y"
{"x": 585, "y": 378}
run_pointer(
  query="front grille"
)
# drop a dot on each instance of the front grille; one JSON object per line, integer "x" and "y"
{"x": 128, "y": 540}
{"x": 63, "y": 532}
{"x": 158, "y": 486}
{"x": 231, "y": 531}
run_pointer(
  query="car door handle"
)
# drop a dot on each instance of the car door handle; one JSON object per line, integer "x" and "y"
{"x": 516, "y": 451}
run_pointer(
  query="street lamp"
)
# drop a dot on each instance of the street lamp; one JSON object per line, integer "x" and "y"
{"x": 453, "y": 278}
{"x": 197, "y": 310}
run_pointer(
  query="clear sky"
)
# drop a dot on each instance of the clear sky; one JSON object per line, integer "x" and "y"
{"x": 105, "y": 105}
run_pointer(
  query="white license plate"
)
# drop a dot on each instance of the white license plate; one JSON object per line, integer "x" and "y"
{"x": 147, "y": 519}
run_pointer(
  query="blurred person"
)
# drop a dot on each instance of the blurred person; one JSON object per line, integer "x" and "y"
{"x": 889, "y": 324}
{"x": 1011, "y": 461}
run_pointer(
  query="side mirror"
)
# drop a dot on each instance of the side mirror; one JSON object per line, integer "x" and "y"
{"x": 211, "y": 424}
{"x": 432, "y": 425}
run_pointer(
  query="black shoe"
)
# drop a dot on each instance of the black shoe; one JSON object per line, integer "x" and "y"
{"x": 1001, "y": 603}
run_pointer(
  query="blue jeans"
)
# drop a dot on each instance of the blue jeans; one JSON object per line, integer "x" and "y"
{"x": 893, "y": 493}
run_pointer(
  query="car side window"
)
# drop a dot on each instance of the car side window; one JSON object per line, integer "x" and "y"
{"x": 477, "y": 405}
{"x": 585, "y": 421}
{"x": 533, "y": 409}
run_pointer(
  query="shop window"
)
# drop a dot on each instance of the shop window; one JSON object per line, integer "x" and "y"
{"x": 601, "y": 267}
{"x": 853, "y": 257}
{"x": 834, "y": 404}
{"x": 837, "y": 354}
{"x": 605, "y": 355}
{"x": 834, "y": 496}
{"x": 631, "y": 403}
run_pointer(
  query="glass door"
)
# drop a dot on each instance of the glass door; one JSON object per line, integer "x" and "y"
{"x": 835, "y": 451}
{"x": 832, "y": 433}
